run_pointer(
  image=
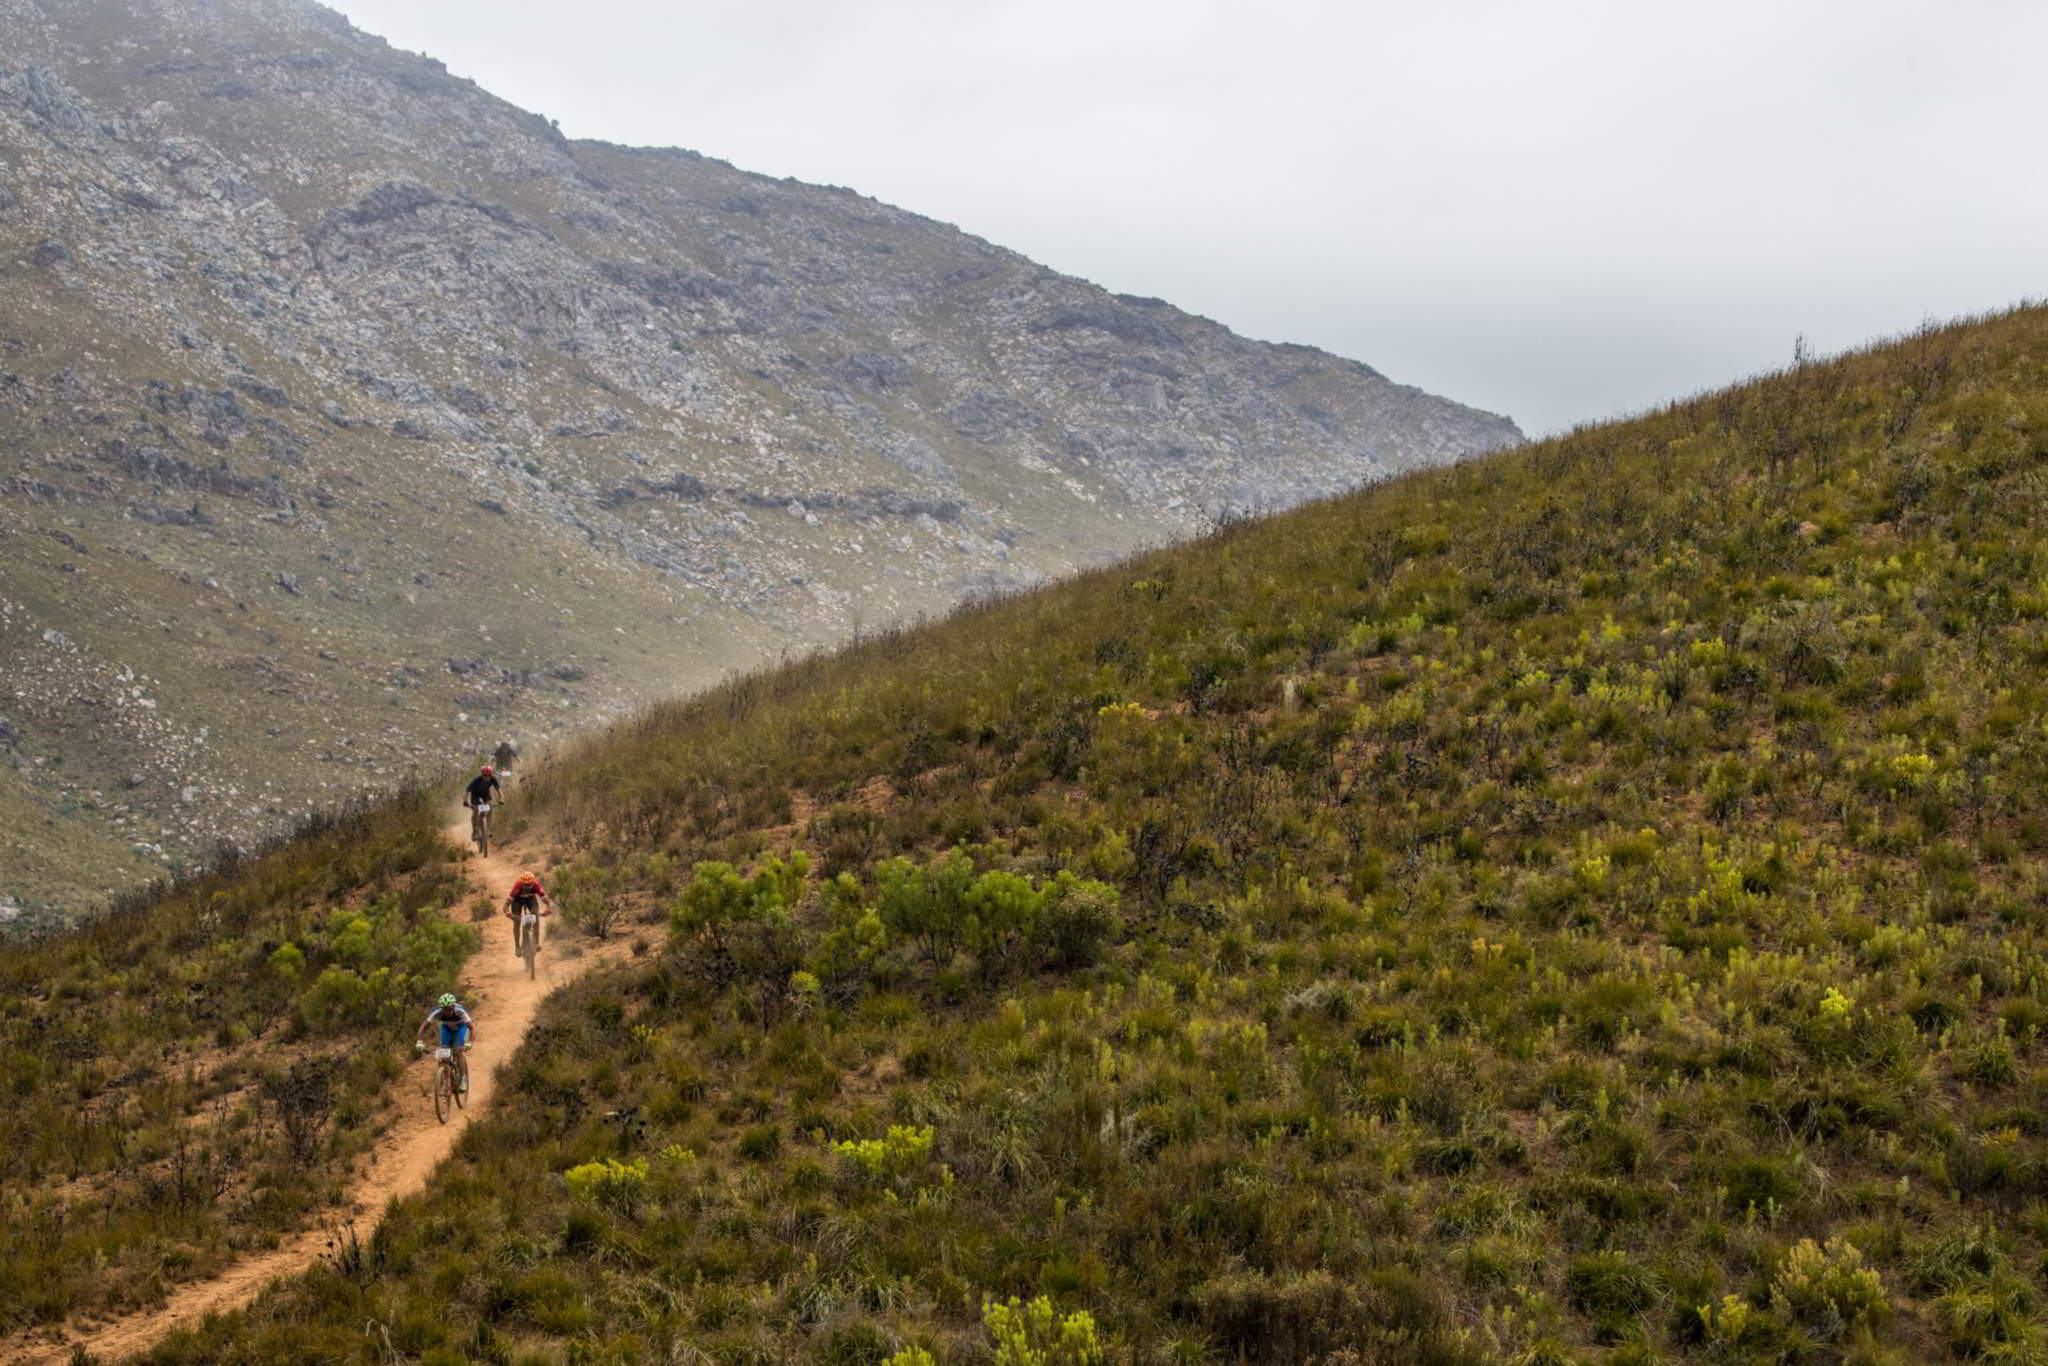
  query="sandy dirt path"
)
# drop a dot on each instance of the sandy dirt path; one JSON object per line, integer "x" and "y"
{"x": 504, "y": 1001}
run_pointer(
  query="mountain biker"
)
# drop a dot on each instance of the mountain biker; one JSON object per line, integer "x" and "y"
{"x": 505, "y": 755}
{"x": 482, "y": 788}
{"x": 526, "y": 895}
{"x": 457, "y": 1030}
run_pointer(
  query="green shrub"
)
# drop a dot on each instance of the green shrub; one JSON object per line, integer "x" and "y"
{"x": 1079, "y": 919}
{"x": 926, "y": 904}
{"x": 718, "y": 899}
{"x": 288, "y": 962}
{"x": 341, "y": 997}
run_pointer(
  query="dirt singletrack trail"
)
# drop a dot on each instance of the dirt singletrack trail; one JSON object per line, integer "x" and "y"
{"x": 495, "y": 987}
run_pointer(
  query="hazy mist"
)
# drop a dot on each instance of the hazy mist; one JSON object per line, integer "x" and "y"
{"x": 1557, "y": 211}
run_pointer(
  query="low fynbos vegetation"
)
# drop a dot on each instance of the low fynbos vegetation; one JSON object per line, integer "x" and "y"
{"x": 193, "y": 1075}
{"x": 1582, "y": 906}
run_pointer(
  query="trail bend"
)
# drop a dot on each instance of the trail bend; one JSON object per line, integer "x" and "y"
{"x": 504, "y": 1001}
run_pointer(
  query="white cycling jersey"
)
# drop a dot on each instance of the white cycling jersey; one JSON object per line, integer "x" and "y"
{"x": 454, "y": 1016}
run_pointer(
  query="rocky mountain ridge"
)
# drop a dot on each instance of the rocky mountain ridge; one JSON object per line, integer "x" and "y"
{"x": 351, "y": 417}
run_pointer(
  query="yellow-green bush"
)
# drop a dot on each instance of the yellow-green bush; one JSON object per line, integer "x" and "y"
{"x": 899, "y": 1153}
{"x": 1036, "y": 1334}
{"x": 619, "y": 1186}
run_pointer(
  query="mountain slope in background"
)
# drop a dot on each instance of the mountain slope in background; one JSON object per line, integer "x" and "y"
{"x": 1584, "y": 905}
{"x": 351, "y": 417}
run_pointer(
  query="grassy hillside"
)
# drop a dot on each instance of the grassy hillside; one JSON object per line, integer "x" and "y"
{"x": 1583, "y": 906}
{"x": 192, "y": 1075}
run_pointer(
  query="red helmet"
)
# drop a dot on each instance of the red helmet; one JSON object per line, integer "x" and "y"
{"x": 487, "y": 770}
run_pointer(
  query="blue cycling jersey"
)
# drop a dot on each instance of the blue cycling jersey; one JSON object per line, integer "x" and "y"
{"x": 454, "y": 1022}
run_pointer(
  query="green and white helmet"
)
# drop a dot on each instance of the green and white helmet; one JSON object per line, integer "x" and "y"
{"x": 448, "y": 998}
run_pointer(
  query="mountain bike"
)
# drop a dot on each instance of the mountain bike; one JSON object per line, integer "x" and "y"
{"x": 451, "y": 1082}
{"x": 526, "y": 937}
{"x": 480, "y": 827}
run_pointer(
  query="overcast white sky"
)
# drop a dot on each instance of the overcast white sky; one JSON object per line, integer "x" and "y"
{"x": 1560, "y": 211}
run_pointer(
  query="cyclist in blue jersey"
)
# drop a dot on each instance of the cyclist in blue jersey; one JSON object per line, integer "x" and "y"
{"x": 457, "y": 1030}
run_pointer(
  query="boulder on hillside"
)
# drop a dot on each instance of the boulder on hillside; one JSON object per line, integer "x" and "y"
{"x": 54, "y": 102}
{"x": 873, "y": 371}
{"x": 1122, "y": 323}
{"x": 987, "y": 415}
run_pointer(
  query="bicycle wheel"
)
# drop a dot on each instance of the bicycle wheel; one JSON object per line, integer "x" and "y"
{"x": 529, "y": 946}
{"x": 458, "y": 1081}
{"x": 483, "y": 837}
{"x": 444, "y": 1088}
